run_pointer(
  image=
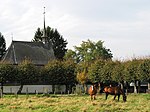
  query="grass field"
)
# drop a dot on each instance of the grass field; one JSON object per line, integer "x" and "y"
{"x": 74, "y": 103}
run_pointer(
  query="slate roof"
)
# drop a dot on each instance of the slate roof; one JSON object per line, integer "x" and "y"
{"x": 37, "y": 52}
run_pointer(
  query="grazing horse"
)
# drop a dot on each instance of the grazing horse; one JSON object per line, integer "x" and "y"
{"x": 93, "y": 91}
{"x": 117, "y": 91}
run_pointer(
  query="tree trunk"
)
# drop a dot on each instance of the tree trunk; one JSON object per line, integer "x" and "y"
{"x": 126, "y": 86}
{"x": 67, "y": 89}
{"x": 1, "y": 91}
{"x": 139, "y": 86}
{"x": 148, "y": 85}
{"x": 53, "y": 88}
{"x": 135, "y": 89}
{"x": 20, "y": 89}
{"x": 85, "y": 88}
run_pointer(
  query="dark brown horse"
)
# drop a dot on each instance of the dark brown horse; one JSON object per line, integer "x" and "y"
{"x": 117, "y": 91}
{"x": 93, "y": 91}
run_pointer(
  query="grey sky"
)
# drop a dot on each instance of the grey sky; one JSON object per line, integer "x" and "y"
{"x": 123, "y": 25}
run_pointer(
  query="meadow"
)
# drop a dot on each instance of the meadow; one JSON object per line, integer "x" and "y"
{"x": 74, "y": 103}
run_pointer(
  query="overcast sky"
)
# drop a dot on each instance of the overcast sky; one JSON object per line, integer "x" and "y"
{"x": 123, "y": 25}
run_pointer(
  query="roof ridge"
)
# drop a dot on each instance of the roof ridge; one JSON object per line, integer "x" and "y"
{"x": 25, "y": 41}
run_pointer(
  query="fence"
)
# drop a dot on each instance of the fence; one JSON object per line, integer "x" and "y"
{"x": 35, "y": 89}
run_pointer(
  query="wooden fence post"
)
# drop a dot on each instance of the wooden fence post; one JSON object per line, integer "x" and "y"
{"x": 11, "y": 90}
{"x": 1, "y": 93}
{"x": 16, "y": 95}
{"x": 27, "y": 95}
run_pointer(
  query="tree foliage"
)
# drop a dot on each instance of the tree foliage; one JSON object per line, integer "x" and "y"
{"x": 58, "y": 43}
{"x": 82, "y": 77}
{"x": 2, "y": 46}
{"x": 60, "y": 72}
{"x": 7, "y": 72}
{"x": 54, "y": 72}
{"x": 132, "y": 70}
{"x": 27, "y": 74}
{"x": 95, "y": 71}
{"x": 38, "y": 35}
{"x": 118, "y": 74}
{"x": 144, "y": 69}
{"x": 89, "y": 51}
{"x": 71, "y": 55}
{"x": 107, "y": 71}
{"x": 70, "y": 75}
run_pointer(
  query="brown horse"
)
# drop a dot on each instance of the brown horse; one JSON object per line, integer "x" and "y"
{"x": 117, "y": 91}
{"x": 93, "y": 91}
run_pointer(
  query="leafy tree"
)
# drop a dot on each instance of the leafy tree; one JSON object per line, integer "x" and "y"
{"x": 54, "y": 72}
{"x": 2, "y": 46}
{"x": 7, "y": 73}
{"x": 118, "y": 72}
{"x": 71, "y": 55}
{"x": 145, "y": 70}
{"x": 107, "y": 71}
{"x": 90, "y": 51}
{"x": 132, "y": 73}
{"x": 38, "y": 35}
{"x": 82, "y": 77}
{"x": 70, "y": 74}
{"x": 118, "y": 75}
{"x": 59, "y": 72}
{"x": 27, "y": 74}
{"x": 95, "y": 71}
{"x": 82, "y": 73}
{"x": 58, "y": 43}
{"x": 85, "y": 55}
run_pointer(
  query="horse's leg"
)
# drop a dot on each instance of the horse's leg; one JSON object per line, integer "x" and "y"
{"x": 106, "y": 96}
{"x": 91, "y": 97}
{"x": 118, "y": 97}
{"x": 94, "y": 97}
{"x": 114, "y": 97}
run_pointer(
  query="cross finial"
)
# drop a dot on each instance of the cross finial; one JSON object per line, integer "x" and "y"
{"x": 44, "y": 30}
{"x": 44, "y": 23}
{"x": 44, "y": 18}
{"x": 44, "y": 11}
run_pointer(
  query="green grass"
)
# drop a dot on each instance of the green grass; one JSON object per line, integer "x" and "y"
{"x": 74, "y": 103}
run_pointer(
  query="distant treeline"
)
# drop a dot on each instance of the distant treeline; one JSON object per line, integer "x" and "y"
{"x": 68, "y": 72}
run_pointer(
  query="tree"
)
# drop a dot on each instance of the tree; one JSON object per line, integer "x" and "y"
{"x": 107, "y": 71}
{"x": 7, "y": 73}
{"x": 117, "y": 72}
{"x": 132, "y": 73}
{"x": 145, "y": 70}
{"x": 59, "y": 72}
{"x": 71, "y": 55}
{"x": 82, "y": 77}
{"x": 85, "y": 55}
{"x": 38, "y": 35}
{"x": 95, "y": 71}
{"x": 70, "y": 75}
{"x": 58, "y": 43}
{"x": 27, "y": 74}
{"x": 90, "y": 51}
{"x": 54, "y": 72}
{"x": 2, "y": 46}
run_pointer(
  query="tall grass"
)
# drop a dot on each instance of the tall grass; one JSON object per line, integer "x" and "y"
{"x": 74, "y": 103}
